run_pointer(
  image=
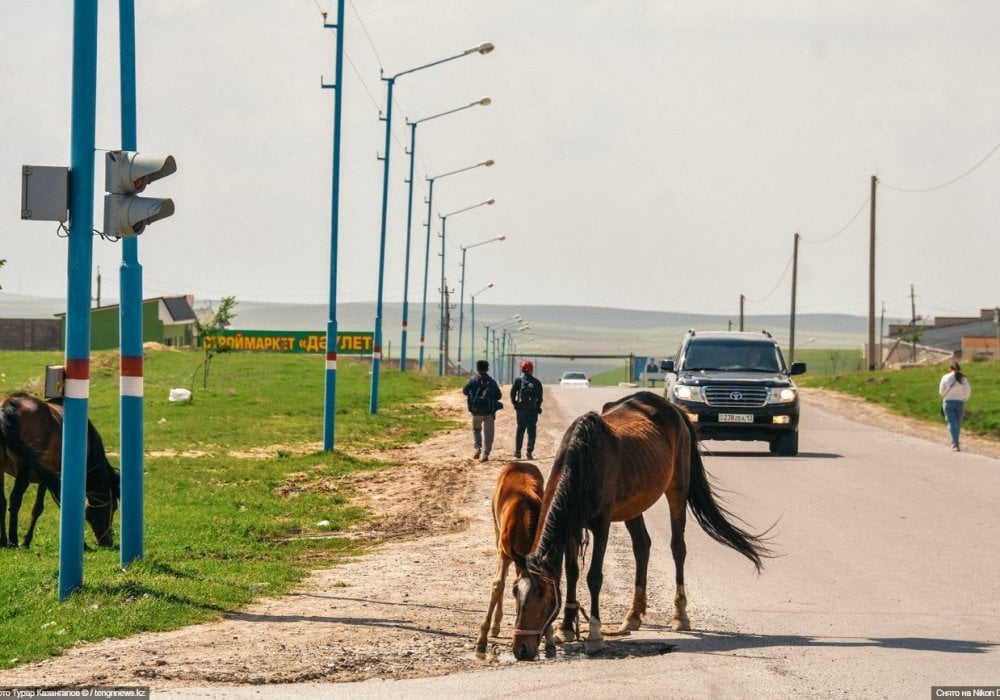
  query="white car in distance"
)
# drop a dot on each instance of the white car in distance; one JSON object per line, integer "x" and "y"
{"x": 574, "y": 379}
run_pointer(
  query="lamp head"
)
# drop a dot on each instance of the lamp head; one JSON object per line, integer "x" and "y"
{"x": 488, "y": 163}
{"x": 490, "y": 200}
{"x": 483, "y": 48}
{"x": 484, "y": 102}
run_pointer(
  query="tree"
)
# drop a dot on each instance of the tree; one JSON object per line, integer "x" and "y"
{"x": 209, "y": 328}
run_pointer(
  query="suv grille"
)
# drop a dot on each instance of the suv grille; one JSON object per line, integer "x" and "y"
{"x": 735, "y": 396}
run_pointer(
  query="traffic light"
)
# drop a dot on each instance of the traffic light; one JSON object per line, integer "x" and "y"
{"x": 125, "y": 174}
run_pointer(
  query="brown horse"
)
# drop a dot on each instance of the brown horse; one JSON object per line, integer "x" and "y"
{"x": 31, "y": 452}
{"x": 613, "y": 467}
{"x": 517, "y": 501}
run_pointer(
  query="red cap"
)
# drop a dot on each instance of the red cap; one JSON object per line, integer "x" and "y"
{"x": 526, "y": 366}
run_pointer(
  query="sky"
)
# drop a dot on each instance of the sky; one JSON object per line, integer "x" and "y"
{"x": 653, "y": 155}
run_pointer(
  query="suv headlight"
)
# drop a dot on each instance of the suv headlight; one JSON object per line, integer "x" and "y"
{"x": 685, "y": 392}
{"x": 786, "y": 394}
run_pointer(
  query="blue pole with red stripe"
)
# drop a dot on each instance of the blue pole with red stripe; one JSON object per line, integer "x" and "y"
{"x": 130, "y": 320}
{"x": 79, "y": 268}
{"x": 330, "y": 396}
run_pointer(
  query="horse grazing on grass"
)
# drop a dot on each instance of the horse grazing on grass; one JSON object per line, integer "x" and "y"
{"x": 613, "y": 467}
{"x": 517, "y": 502}
{"x": 31, "y": 452}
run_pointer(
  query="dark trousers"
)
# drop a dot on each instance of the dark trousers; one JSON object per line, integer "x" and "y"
{"x": 527, "y": 422}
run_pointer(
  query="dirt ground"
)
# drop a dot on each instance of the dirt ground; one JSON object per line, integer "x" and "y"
{"x": 411, "y": 608}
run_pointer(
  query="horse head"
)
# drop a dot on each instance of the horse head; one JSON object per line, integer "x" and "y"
{"x": 103, "y": 490}
{"x": 536, "y": 599}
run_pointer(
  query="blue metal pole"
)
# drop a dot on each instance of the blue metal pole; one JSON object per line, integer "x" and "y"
{"x": 406, "y": 264}
{"x": 377, "y": 350}
{"x": 130, "y": 321}
{"x": 79, "y": 267}
{"x": 427, "y": 262}
{"x": 472, "y": 338}
{"x": 330, "y": 395}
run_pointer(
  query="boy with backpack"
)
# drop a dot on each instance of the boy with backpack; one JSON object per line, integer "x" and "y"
{"x": 482, "y": 393}
{"x": 526, "y": 395}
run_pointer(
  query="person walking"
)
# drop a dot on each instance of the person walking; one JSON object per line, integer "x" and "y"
{"x": 526, "y": 397}
{"x": 955, "y": 390}
{"x": 482, "y": 394}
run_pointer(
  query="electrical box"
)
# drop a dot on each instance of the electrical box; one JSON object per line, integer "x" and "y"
{"x": 44, "y": 193}
{"x": 55, "y": 381}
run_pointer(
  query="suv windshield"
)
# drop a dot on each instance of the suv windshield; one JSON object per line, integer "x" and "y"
{"x": 727, "y": 356}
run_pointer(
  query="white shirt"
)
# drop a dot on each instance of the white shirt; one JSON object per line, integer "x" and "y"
{"x": 954, "y": 390}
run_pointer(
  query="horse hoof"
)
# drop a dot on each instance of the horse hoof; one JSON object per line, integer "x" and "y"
{"x": 630, "y": 625}
{"x": 564, "y": 636}
{"x": 495, "y": 632}
{"x": 593, "y": 646}
{"x": 681, "y": 624}
{"x": 550, "y": 650}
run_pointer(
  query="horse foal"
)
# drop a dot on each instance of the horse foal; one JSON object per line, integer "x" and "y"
{"x": 517, "y": 501}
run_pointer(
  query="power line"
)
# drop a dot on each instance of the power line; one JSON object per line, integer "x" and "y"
{"x": 949, "y": 182}
{"x": 845, "y": 226}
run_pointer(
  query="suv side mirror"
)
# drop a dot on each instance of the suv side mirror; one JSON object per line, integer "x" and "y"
{"x": 798, "y": 368}
{"x": 667, "y": 365}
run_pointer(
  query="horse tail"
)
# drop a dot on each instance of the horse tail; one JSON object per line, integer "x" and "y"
{"x": 715, "y": 520}
{"x": 10, "y": 435}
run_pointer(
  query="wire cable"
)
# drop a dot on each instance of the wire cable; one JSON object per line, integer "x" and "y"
{"x": 776, "y": 285}
{"x": 844, "y": 227}
{"x": 943, "y": 184}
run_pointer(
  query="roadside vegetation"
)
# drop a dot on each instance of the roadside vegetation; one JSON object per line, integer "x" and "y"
{"x": 226, "y": 517}
{"x": 914, "y": 392}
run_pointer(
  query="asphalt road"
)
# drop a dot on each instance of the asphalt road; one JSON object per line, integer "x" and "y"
{"x": 887, "y": 581}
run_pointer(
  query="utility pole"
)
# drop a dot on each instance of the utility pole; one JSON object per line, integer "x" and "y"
{"x": 795, "y": 276}
{"x": 913, "y": 324}
{"x": 871, "y": 280}
{"x": 742, "y": 299}
{"x": 446, "y": 328}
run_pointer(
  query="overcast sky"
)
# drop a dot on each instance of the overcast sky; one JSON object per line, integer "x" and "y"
{"x": 651, "y": 155}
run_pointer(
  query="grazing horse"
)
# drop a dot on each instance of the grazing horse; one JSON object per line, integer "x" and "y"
{"x": 31, "y": 452}
{"x": 517, "y": 502}
{"x": 613, "y": 467}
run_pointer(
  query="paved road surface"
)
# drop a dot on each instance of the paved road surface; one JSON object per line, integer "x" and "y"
{"x": 887, "y": 583}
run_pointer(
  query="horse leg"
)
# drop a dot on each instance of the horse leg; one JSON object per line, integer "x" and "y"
{"x": 571, "y": 611}
{"x": 678, "y": 519}
{"x": 16, "y": 496}
{"x": 640, "y": 549}
{"x": 3, "y": 511}
{"x": 595, "y": 579}
{"x": 36, "y": 513}
{"x": 496, "y": 596}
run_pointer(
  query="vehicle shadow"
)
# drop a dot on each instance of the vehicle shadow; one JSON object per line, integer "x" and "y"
{"x": 722, "y": 641}
{"x": 762, "y": 455}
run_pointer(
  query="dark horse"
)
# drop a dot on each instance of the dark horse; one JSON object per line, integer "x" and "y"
{"x": 613, "y": 467}
{"x": 31, "y": 452}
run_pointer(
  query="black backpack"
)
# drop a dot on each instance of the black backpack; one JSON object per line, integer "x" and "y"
{"x": 527, "y": 396}
{"x": 482, "y": 403}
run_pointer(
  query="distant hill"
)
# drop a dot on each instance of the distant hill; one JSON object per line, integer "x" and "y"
{"x": 555, "y": 329}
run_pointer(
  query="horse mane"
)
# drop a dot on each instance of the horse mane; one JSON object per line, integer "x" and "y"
{"x": 571, "y": 482}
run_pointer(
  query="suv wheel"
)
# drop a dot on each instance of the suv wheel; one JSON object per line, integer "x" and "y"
{"x": 787, "y": 445}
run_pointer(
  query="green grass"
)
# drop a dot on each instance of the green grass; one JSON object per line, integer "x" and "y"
{"x": 220, "y": 529}
{"x": 914, "y": 392}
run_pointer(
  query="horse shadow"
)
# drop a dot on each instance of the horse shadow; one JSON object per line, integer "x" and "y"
{"x": 706, "y": 642}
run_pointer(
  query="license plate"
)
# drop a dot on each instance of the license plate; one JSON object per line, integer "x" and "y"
{"x": 736, "y": 418}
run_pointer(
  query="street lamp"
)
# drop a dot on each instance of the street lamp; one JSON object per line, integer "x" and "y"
{"x": 390, "y": 82}
{"x": 461, "y": 298}
{"x": 472, "y": 352}
{"x": 427, "y": 250}
{"x": 482, "y": 102}
{"x": 442, "y": 355}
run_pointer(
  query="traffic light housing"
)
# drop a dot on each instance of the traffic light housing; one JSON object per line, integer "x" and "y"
{"x": 125, "y": 174}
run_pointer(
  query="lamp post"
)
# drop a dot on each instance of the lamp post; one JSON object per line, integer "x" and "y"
{"x": 390, "y": 82}
{"x": 442, "y": 360}
{"x": 472, "y": 333}
{"x": 461, "y": 297}
{"x": 499, "y": 325}
{"x": 427, "y": 250}
{"x": 484, "y": 102}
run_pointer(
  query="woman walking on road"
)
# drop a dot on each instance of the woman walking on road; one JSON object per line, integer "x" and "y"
{"x": 954, "y": 390}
